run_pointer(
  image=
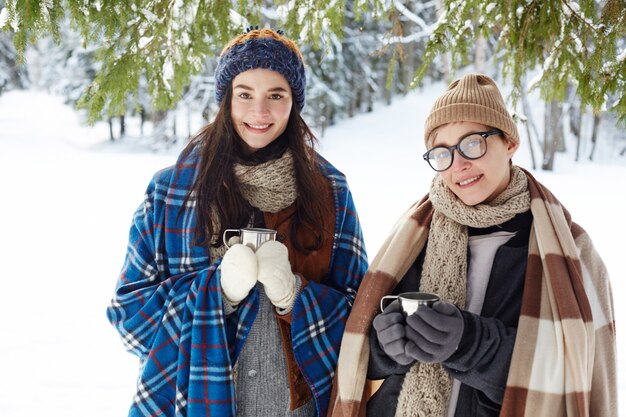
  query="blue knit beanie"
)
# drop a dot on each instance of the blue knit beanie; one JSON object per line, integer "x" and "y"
{"x": 261, "y": 48}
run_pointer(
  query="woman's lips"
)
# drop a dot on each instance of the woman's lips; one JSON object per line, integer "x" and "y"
{"x": 258, "y": 128}
{"x": 469, "y": 181}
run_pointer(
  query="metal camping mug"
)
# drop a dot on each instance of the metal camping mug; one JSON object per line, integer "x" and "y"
{"x": 253, "y": 237}
{"x": 410, "y": 301}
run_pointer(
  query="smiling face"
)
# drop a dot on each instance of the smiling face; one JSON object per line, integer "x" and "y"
{"x": 260, "y": 107}
{"x": 480, "y": 180}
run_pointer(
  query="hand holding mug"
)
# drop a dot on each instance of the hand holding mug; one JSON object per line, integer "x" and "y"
{"x": 238, "y": 273}
{"x": 275, "y": 274}
{"x": 390, "y": 332}
{"x": 239, "y": 268}
{"x": 434, "y": 333}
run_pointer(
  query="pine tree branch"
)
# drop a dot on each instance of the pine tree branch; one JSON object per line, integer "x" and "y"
{"x": 581, "y": 18}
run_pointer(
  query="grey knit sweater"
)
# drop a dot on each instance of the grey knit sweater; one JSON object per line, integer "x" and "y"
{"x": 262, "y": 388}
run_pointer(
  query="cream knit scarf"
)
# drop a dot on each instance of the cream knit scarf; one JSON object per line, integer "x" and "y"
{"x": 426, "y": 388}
{"x": 270, "y": 186}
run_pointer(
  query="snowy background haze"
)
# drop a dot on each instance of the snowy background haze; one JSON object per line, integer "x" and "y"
{"x": 68, "y": 199}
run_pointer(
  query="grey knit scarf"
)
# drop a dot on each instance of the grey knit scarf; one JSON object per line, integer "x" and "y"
{"x": 270, "y": 186}
{"x": 426, "y": 387}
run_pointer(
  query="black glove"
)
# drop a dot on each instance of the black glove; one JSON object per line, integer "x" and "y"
{"x": 390, "y": 331}
{"x": 434, "y": 333}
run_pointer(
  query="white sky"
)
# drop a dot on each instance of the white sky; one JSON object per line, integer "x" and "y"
{"x": 68, "y": 196}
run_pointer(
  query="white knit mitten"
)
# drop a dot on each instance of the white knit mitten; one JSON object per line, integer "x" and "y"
{"x": 275, "y": 274}
{"x": 239, "y": 273}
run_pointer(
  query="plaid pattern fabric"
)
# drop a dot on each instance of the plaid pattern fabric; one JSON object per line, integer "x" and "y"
{"x": 168, "y": 309}
{"x": 564, "y": 360}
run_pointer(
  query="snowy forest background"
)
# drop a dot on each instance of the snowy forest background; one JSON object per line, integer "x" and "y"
{"x": 373, "y": 70}
{"x": 154, "y": 61}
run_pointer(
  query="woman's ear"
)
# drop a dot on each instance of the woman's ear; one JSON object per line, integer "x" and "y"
{"x": 511, "y": 147}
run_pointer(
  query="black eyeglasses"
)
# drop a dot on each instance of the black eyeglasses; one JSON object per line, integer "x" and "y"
{"x": 470, "y": 146}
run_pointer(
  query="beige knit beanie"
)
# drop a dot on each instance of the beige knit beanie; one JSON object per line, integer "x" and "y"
{"x": 472, "y": 98}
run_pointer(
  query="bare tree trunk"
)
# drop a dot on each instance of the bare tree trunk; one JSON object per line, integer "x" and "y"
{"x": 530, "y": 125}
{"x": 160, "y": 131}
{"x": 111, "y": 135}
{"x": 16, "y": 70}
{"x": 122, "y": 126}
{"x": 352, "y": 102}
{"x": 370, "y": 98}
{"x": 578, "y": 141}
{"x": 575, "y": 119}
{"x": 530, "y": 143}
{"x": 553, "y": 133}
{"x": 327, "y": 118}
{"x": 174, "y": 137}
{"x": 560, "y": 143}
{"x": 594, "y": 133}
{"x": 389, "y": 92}
{"x": 188, "y": 123}
{"x": 142, "y": 118}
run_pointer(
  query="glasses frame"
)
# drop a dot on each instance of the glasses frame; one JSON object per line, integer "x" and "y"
{"x": 484, "y": 135}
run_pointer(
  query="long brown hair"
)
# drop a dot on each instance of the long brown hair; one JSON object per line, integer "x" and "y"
{"x": 216, "y": 188}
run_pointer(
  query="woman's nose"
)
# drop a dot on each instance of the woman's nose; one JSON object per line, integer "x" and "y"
{"x": 260, "y": 107}
{"x": 459, "y": 163}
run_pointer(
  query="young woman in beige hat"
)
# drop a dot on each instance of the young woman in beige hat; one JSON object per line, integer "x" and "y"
{"x": 525, "y": 321}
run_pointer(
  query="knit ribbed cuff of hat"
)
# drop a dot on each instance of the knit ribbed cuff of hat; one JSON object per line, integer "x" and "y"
{"x": 472, "y": 98}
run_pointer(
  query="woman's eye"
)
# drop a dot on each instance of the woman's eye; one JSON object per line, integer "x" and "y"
{"x": 276, "y": 97}
{"x": 473, "y": 143}
{"x": 244, "y": 96}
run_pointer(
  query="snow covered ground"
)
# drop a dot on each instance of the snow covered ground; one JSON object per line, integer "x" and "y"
{"x": 67, "y": 200}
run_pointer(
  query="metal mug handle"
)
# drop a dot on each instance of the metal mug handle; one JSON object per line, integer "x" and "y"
{"x": 235, "y": 231}
{"x": 382, "y": 307}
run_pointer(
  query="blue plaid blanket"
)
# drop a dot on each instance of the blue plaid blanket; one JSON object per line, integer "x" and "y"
{"x": 168, "y": 309}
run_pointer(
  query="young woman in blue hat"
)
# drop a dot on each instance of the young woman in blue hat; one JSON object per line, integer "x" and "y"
{"x": 226, "y": 330}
